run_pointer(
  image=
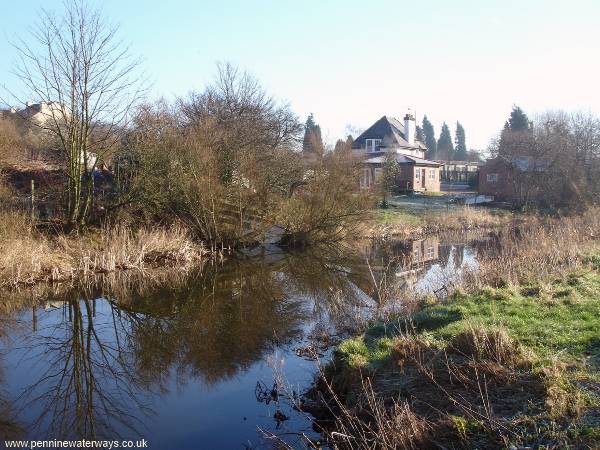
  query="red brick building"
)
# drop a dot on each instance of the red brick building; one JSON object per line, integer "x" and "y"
{"x": 388, "y": 136}
{"x": 511, "y": 179}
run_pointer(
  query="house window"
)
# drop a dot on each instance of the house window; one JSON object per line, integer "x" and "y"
{"x": 492, "y": 177}
{"x": 378, "y": 174}
{"x": 432, "y": 174}
{"x": 372, "y": 144}
{"x": 365, "y": 181}
{"x": 430, "y": 253}
{"x": 417, "y": 173}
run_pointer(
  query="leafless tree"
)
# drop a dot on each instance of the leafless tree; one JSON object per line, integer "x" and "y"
{"x": 557, "y": 161}
{"x": 11, "y": 142}
{"x": 79, "y": 69}
{"x": 250, "y": 122}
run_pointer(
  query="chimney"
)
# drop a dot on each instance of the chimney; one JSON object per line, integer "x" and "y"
{"x": 28, "y": 103}
{"x": 409, "y": 128}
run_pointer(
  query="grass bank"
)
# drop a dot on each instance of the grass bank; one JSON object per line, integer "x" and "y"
{"x": 510, "y": 359}
{"x": 28, "y": 256}
{"x": 513, "y": 366}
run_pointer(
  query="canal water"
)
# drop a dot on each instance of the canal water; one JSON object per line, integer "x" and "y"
{"x": 200, "y": 359}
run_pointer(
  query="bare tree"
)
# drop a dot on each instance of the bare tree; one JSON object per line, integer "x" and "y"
{"x": 11, "y": 143}
{"x": 556, "y": 162}
{"x": 86, "y": 82}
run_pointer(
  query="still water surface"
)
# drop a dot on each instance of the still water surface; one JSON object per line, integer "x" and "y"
{"x": 183, "y": 362}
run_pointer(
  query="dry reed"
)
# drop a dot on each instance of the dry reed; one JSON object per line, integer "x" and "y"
{"x": 28, "y": 257}
{"x": 537, "y": 249}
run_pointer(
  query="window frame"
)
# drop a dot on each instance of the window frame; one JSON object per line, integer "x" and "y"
{"x": 491, "y": 177}
{"x": 374, "y": 144}
{"x": 365, "y": 180}
{"x": 377, "y": 174}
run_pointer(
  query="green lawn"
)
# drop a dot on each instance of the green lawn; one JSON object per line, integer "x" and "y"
{"x": 560, "y": 319}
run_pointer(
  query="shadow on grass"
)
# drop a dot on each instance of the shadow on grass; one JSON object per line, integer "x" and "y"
{"x": 593, "y": 351}
{"x": 426, "y": 320}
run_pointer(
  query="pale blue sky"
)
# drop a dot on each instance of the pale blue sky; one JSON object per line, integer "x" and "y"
{"x": 350, "y": 62}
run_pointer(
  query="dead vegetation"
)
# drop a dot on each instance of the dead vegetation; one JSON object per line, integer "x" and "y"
{"x": 481, "y": 390}
{"x": 28, "y": 256}
{"x": 460, "y": 219}
{"x": 536, "y": 249}
{"x": 466, "y": 218}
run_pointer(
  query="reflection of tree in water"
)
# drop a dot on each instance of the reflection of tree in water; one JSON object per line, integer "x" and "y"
{"x": 218, "y": 324}
{"x": 330, "y": 277}
{"x": 86, "y": 388}
{"x": 227, "y": 318}
{"x": 10, "y": 428}
{"x": 459, "y": 255}
{"x": 452, "y": 253}
{"x": 100, "y": 365}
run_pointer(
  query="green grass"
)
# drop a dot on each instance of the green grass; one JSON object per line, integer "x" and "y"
{"x": 558, "y": 320}
{"x": 434, "y": 194}
{"x": 393, "y": 216}
{"x": 552, "y": 343}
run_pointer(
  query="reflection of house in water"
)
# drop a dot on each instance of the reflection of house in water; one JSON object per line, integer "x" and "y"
{"x": 425, "y": 250}
{"x": 421, "y": 254}
{"x": 406, "y": 254}
{"x": 415, "y": 262}
{"x": 454, "y": 252}
{"x": 405, "y": 260}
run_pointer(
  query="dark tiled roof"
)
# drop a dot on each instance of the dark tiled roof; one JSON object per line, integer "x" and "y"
{"x": 390, "y": 131}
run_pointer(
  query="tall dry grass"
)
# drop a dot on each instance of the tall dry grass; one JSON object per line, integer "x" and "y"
{"x": 466, "y": 218}
{"x": 472, "y": 393}
{"x": 457, "y": 219}
{"x": 537, "y": 249}
{"x": 28, "y": 256}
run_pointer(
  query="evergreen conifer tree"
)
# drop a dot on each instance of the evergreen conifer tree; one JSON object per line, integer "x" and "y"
{"x": 419, "y": 134}
{"x": 460, "y": 153}
{"x": 518, "y": 120}
{"x": 429, "y": 139}
{"x": 445, "y": 148}
{"x": 313, "y": 142}
{"x": 515, "y": 129}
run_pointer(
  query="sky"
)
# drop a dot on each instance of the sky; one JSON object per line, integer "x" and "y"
{"x": 350, "y": 62}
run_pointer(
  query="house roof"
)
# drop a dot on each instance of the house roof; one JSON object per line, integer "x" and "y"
{"x": 404, "y": 159}
{"x": 522, "y": 163}
{"x": 391, "y": 131}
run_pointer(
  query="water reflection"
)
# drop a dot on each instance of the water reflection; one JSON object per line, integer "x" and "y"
{"x": 419, "y": 266}
{"x": 83, "y": 385}
{"x": 156, "y": 361}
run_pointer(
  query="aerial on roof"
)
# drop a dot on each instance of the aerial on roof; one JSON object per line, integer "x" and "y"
{"x": 391, "y": 132}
